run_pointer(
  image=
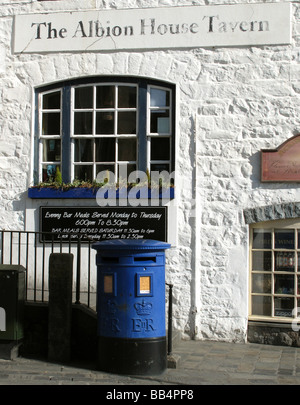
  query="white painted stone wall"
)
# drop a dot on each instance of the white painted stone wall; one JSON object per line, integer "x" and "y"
{"x": 232, "y": 102}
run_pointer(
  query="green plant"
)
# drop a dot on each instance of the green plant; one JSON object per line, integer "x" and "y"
{"x": 58, "y": 177}
{"x": 59, "y": 184}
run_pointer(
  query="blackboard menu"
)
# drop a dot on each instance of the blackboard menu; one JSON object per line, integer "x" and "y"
{"x": 102, "y": 223}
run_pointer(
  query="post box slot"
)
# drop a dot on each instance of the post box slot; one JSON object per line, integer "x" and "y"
{"x": 110, "y": 259}
{"x": 145, "y": 259}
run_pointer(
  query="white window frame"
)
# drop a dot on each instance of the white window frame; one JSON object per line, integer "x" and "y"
{"x": 143, "y": 134}
{"x": 283, "y": 224}
{"x": 116, "y": 136}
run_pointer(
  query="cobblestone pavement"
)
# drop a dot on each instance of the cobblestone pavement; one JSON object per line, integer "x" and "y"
{"x": 201, "y": 363}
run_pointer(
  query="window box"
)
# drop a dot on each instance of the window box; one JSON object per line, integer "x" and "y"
{"x": 51, "y": 192}
{"x": 89, "y": 192}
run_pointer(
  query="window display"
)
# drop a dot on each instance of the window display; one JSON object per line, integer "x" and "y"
{"x": 275, "y": 262}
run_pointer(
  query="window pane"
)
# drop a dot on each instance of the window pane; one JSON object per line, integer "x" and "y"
{"x": 105, "y": 168}
{"x": 83, "y": 150}
{"x": 84, "y": 97}
{"x": 130, "y": 168}
{"x": 84, "y": 173}
{"x": 105, "y": 124}
{"x": 127, "y": 97}
{"x": 261, "y": 305}
{"x": 51, "y": 150}
{"x": 159, "y": 98}
{"x": 49, "y": 172}
{"x": 160, "y": 122}
{"x": 160, "y": 167}
{"x": 160, "y": 148}
{"x": 51, "y": 101}
{"x": 283, "y": 306}
{"x": 83, "y": 123}
{"x": 261, "y": 283}
{"x": 127, "y": 149}
{"x": 105, "y": 149}
{"x": 262, "y": 261}
{"x": 262, "y": 239}
{"x": 284, "y": 284}
{"x": 105, "y": 97}
{"x": 127, "y": 123}
{"x": 284, "y": 261}
{"x": 284, "y": 239}
{"x": 51, "y": 124}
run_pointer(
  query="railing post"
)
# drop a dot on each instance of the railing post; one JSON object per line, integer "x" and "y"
{"x": 170, "y": 319}
{"x": 78, "y": 271}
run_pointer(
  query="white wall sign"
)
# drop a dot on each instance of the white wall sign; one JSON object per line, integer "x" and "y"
{"x": 154, "y": 28}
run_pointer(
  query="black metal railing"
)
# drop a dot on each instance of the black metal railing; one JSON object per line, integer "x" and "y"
{"x": 32, "y": 251}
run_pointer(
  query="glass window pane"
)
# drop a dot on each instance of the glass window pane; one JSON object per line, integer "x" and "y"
{"x": 51, "y": 150}
{"x": 83, "y": 123}
{"x": 49, "y": 172}
{"x": 127, "y": 122}
{"x": 284, "y": 239}
{"x": 261, "y": 305}
{"x": 51, "y": 101}
{"x": 160, "y": 122}
{"x": 160, "y": 148}
{"x": 105, "y": 97}
{"x": 105, "y": 168}
{"x": 284, "y": 261}
{"x": 160, "y": 167}
{"x": 262, "y": 261}
{"x": 127, "y": 97}
{"x": 284, "y": 284}
{"x": 159, "y": 98}
{"x": 51, "y": 124}
{"x": 283, "y": 306}
{"x": 127, "y": 149}
{"x": 261, "y": 283}
{"x": 84, "y": 173}
{"x": 105, "y": 149}
{"x": 130, "y": 168}
{"x": 262, "y": 239}
{"x": 84, "y": 97}
{"x": 105, "y": 124}
{"x": 83, "y": 150}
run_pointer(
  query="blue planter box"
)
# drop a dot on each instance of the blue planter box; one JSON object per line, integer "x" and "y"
{"x": 76, "y": 192}
{"x": 81, "y": 192}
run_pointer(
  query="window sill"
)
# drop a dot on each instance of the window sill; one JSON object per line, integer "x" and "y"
{"x": 90, "y": 193}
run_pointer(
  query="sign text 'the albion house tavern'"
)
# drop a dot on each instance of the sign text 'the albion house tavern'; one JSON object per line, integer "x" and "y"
{"x": 151, "y": 28}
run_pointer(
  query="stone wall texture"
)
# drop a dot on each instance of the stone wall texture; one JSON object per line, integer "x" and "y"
{"x": 232, "y": 102}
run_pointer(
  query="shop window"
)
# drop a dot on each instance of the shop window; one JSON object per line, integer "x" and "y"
{"x": 90, "y": 126}
{"x": 275, "y": 270}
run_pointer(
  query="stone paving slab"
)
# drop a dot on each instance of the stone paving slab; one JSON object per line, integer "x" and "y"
{"x": 201, "y": 363}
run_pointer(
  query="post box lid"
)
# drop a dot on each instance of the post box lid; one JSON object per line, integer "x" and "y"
{"x": 131, "y": 245}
